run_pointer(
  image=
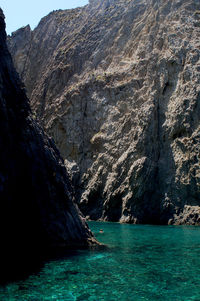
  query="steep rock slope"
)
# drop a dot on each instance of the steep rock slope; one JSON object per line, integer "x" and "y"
{"x": 37, "y": 212}
{"x": 119, "y": 83}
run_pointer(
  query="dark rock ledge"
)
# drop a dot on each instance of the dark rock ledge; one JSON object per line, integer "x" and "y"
{"x": 37, "y": 212}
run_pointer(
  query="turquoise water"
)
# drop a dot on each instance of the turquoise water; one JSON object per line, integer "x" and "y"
{"x": 143, "y": 263}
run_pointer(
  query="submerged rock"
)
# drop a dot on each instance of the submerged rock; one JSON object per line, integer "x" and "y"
{"x": 36, "y": 209}
{"x": 117, "y": 85}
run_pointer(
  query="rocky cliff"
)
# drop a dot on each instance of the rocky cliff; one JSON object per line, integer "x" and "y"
{"x": 36, "y": 210}
{"x": 117, "y": 85}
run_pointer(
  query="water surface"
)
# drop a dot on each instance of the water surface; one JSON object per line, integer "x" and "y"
{"x": 143, "y": 262}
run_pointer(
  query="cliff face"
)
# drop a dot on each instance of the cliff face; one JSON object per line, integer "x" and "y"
{"x": 36, "y": 208}
{"x": 117, "y": 85}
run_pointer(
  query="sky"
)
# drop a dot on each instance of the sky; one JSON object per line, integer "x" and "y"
{"x": 20, "y": 13}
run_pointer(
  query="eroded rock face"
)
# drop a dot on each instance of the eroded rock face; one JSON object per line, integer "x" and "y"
{"x": 119, "y": 83}
{"x": 36, "y": 208}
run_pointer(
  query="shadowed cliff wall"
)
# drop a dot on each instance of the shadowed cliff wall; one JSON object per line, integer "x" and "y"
{"x": 37, "y": 213}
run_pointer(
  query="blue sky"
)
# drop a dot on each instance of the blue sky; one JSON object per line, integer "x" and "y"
{"x": 23, "y": 12}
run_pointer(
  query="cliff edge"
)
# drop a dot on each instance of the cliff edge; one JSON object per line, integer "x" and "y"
{"x": 117, "y": 85}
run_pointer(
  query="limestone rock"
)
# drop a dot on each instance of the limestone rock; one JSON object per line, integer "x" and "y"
{"x": 117, "y": 85}
{"x": 37, "y": 212}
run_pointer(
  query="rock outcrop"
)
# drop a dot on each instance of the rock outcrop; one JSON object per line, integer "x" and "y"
{"x": 36, "y": 211}
{"x": 117, "y": 85}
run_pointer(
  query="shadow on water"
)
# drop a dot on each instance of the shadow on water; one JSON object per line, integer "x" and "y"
{"x": 18, "y": 266}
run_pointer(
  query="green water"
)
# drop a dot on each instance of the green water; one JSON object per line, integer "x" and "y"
{"x": 143, "y": 263}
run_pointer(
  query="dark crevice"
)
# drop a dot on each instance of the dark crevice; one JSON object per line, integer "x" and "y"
{"x": 165, "y": 88}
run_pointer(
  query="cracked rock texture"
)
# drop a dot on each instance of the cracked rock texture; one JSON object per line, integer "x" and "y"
{"x": 37, "y": 212}
{"x": 117, "y": 85}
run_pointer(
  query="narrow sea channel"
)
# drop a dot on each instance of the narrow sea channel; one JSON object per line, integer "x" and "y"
{"x": 143, "y": 262}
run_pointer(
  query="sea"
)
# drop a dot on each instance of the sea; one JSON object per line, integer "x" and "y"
{"x": 141, "y": 262}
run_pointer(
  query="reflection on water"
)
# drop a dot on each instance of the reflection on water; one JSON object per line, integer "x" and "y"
{"x": 143, "y": 263}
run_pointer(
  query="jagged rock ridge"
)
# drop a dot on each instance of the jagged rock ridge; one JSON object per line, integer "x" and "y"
{"x": 37, "y": 212}
{"x": 119, "y": 83}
